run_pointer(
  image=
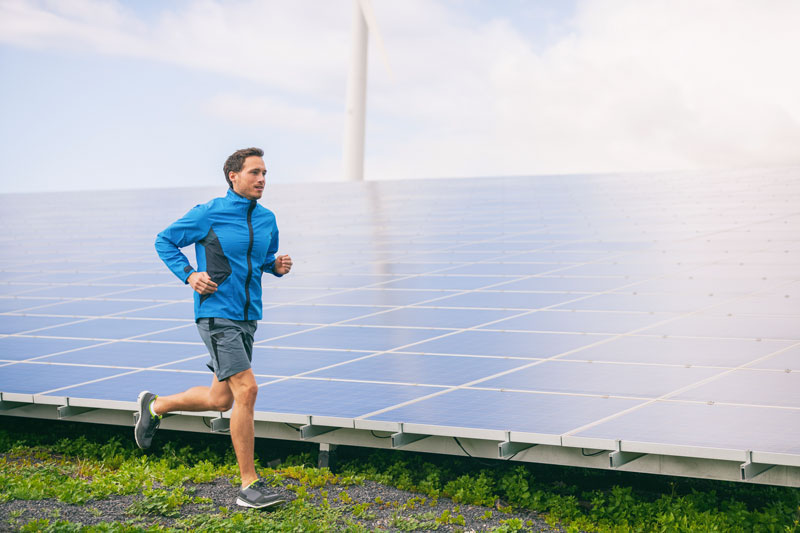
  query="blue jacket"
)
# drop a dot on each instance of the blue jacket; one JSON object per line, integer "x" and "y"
{"x": 235, "y": 242}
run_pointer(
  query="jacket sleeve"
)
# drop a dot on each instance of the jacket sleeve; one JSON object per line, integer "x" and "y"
{"x": 187, "y": 230}
{"x": 269, "y": 261}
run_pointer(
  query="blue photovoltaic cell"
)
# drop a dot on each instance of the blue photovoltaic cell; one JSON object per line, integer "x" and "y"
{"x": 315, "y": 314}
{"x": 144, "y": 278}
{"x": 98, "y": 308}
{"x": 341, "y": 281}
{"x": 669, "y": 303}
{"x": 10, "y": 324}
{"x": 180, "y": 310}
{"x": 506, "y": 344}
{"x": 343, "y": 399}
{"x": 280, "y": 295}
{"x": 507, "y": 411}
{"x": 787, "y": 360}
{"x": 754, "y": 327}
{"x": 680, "y": 351}
{"x": 503, "y": 300}
{"x": 9, "y": 305}
{"x": 125, "y": 386}
{"x": 177, "y": 332}
{"x": 694, "y": 285}
{"x": 645, "y": 381}
{"x": 579, "y": 322}
{"x": 379, "y": 297}
{"x": 355, "y": 338}
{"x": 75, "y": 291}
{"x": 35, "y": 378}
{"x": 133, "y": 354}
{"x": 434, "y": 318}
{"x": 19, "y": 348}
{"x": 20, "y": 288}
{"x": 761, "y": 429}
{"x": 109, "y": 328}
{"x": 565, "y": 284}
{"x": 559, "y": 257}
{"x": 755, "y": 387}
{"x": 506, "y": 269}
{"x": 397, "y": 268}
{"x": 458, "y": 283}
{"x": 665, "y": 295}
{"x": 177, "y": 292}
{"x": 430, "y": 369}
{"x": 284, "y": 362}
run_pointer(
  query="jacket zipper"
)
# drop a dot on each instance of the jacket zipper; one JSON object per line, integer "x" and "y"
{"x": 249, "y": 260}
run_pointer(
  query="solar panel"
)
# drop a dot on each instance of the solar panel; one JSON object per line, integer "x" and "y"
{"x": 648, "y": 315}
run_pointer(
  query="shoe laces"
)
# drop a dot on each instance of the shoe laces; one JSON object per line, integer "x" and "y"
{"x": 261, "y": 486}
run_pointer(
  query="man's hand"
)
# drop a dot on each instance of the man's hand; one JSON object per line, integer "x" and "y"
{"x": 201, "y": 283}
{"x": 282, "y": 265}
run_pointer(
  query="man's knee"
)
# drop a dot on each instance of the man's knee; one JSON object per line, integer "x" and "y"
{"x": 222, "y": 404}
{"x": 246, "y": 393}
{"x": 244, "y": 387}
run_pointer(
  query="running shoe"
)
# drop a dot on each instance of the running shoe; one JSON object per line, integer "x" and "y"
{"x": 258, "y": 496}
{"x": 146, "y": 424}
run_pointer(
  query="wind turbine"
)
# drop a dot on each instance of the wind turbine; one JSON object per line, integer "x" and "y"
{"x": 364, "y": 21}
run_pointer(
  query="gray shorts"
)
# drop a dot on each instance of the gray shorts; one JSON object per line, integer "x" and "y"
{"x": 230, "y": 344}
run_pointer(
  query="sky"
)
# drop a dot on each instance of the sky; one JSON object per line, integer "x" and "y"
{"x": 111, "y": 94}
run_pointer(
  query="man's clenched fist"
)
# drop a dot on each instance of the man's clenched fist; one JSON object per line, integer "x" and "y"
{"x": 201, "y": 283}
{"x": 283, "y": 264}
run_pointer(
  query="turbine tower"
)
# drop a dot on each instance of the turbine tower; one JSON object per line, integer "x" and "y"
{"x": 364, "y": 23}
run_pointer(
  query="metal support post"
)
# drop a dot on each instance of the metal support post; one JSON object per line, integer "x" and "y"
{"x": 220, "y": 425}
{"x": 327, "y": 455}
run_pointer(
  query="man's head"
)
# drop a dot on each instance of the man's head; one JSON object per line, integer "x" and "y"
{"x": 245, "y": 171}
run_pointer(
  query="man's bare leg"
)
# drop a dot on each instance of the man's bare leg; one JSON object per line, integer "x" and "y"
{"x": 240, "y": 390}
{"x": 244, "y": 388}
{"x": 217, "y": 397}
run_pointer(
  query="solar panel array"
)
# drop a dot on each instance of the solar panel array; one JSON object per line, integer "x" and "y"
{"x": 661, "y": 310}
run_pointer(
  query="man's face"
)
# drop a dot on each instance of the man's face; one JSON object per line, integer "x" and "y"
{"x": 249, "y": 182}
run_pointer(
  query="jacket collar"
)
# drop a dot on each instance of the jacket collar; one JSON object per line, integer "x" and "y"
{"x": 237, "y": 198}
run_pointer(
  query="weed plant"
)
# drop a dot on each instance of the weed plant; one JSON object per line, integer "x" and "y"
{"x": 76, "y": 463}
{"x": 582, "y": 499}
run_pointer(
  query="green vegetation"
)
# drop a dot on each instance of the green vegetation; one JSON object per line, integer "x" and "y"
{"x": 589, "y": 500}
{"x": 76, "y": 464}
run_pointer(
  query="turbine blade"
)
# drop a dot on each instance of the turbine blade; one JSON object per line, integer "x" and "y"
{"x": 372, "y": 27}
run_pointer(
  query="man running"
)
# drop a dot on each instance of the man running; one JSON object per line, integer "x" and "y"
{"x": 235, "y": 241}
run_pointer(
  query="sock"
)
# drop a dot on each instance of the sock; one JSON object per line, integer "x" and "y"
{"x": 152, "y": 412}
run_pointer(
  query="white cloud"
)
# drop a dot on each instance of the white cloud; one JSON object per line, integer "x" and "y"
{"x": 636, "y": 85}
{"x": 274, "y": 113}
{"x": 624, "y": 85}
{"x": 294, "y": 46}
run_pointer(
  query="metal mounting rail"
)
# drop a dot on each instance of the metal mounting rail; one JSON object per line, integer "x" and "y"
{"x": 509, "y": 449}
{"x": 750, "y": 470}
{"x": 618, "y": 458}
{"x": 310, "y": 431}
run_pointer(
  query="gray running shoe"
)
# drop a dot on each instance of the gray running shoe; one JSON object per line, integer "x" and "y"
{"x": 258, "y": 496}
{"x": 146, "y": 424}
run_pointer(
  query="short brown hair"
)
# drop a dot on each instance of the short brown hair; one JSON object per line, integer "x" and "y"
{"x": 235, "y": 161}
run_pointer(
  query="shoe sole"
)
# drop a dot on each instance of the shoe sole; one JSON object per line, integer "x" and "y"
{"x": 139, "y": 420}
{"x": 241, "y": 503}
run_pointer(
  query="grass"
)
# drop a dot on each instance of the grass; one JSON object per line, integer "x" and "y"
{"x": 76, "y": 463}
